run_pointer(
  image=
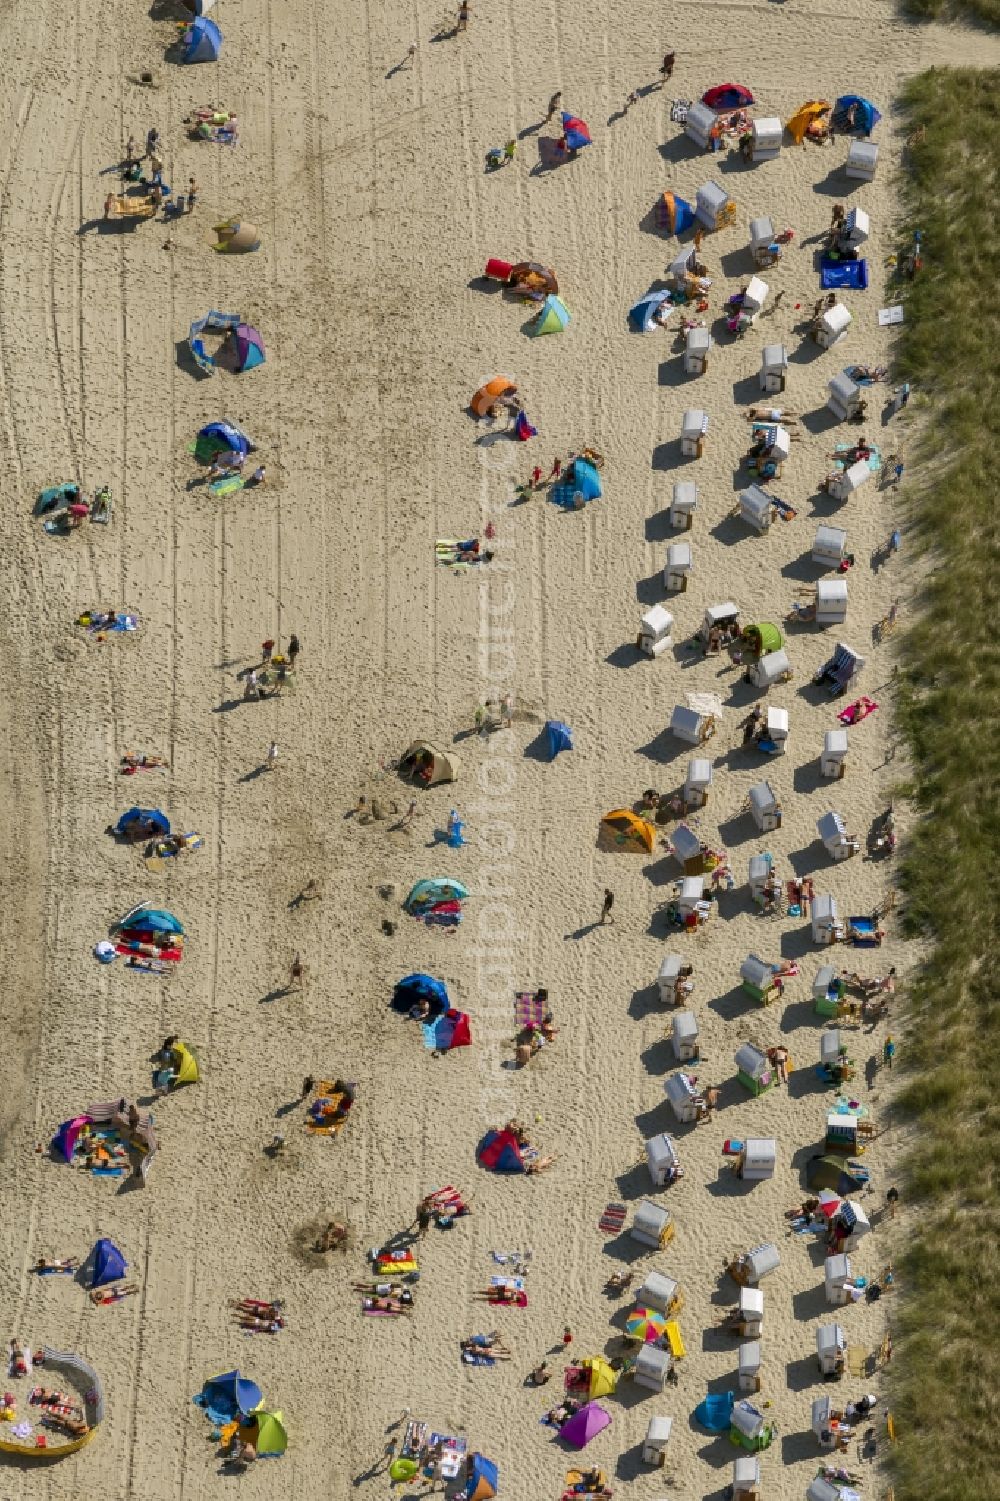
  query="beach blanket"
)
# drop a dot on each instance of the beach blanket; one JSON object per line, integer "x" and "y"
{"x": 121, "y": 622}
{"x": 850, "y": 274}
{"x": 528, "y": 1010}
{"x": 855, "y": 713}
{"x": 438, "y": 1033}
{"x": 874, "y": 457}
{"x": 227, "y": 485}
{"x": 472, "y": 1357}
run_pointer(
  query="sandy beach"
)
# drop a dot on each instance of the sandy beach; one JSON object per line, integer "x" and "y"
{"x": 366, "y": 181}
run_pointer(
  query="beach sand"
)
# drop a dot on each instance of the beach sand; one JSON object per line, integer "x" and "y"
{"x": 376, "y": 216}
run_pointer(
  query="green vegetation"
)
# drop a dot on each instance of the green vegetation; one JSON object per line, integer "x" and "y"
{"x": 985, "y": 12}
{"x": 945, "y": 1374}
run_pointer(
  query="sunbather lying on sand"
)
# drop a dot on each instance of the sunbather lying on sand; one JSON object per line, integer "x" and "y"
{"x": 75, "y": 1424}
{"x": 254, "y": 1325}
{"x": 258, "y": 1308}
{"x": 68, "y": 1264}
{"x": 486, "y": 1345}
{"x": 618, "y": 1282}
{"x": 505, "y": 1293}
{"x": 380, "y": 1304}
{"x": 102, "y": 1295}
{"x": 539, "y": 1165}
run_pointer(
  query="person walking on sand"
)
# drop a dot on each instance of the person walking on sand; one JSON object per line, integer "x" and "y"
{"x": 536, "y": 476}
{"x": 633, "y": 98}
{"x": 463, "y": 16}
{"x": 294, "y": 647}
{"x": 152, "y": 140}
{"x": 556, "y": 469}
{"x": 411, "y": 53}
{"x": 272, "y": 756}
{"x": 266, "y": 649}
{"x": 666, "y": 68}
{"x": 609, "y": 901}
{"x": 554, "y": 104}
{"x": 192, "y": 195}
{"x": 109, "y": 204}
{"x": 296, "y": 973}
{"x": 130, "y": 155}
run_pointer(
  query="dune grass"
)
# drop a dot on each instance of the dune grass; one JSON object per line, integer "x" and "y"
{"x": 985, "y": 12}
{"x": 945, "y": 1375}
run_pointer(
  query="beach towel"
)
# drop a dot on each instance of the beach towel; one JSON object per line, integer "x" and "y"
{"x": 227, "y": 485}
{"x": 850, "y": 274}
{"x": 612, "y": 1219}
{"x": 389, "y": 1264}
{"x": 854, "y": 715}
{"x": 471, "y": 1357}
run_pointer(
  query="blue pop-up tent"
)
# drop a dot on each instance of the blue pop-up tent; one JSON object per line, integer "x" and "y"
{"x": 202, "y": 41}
{"x": 151, "y": 819}
{"x": 865, "y": 115}
{"x": 108, "y": 1263}
{"x": 150, "y": 919}
{"x": 641, "y": 315}
{"x": 412, "y": 989}
{"x": 558, "y": 737}
{"x": 715, "y": 1412}
{"x": 580, "y": 482}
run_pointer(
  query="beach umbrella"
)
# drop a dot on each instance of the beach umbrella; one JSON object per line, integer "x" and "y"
{"x": 156, "y": 821}
{"x": 108, "y": 1263}
{"x": 645, "y": 1324}
{"x": 602, "y": 1378}
{"x": 411, "y": 989}
{"x": 575, "y": 132}
{"x": 249, "y": 347}
{"x": 224, "y": 1396}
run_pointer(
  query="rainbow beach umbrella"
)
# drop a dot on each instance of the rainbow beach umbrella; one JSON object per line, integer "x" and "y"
{"x": 645, "y": 1324}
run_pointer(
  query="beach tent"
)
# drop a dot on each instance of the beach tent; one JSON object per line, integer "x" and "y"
{"x": 425, "y": 896}
{"x": 580, "y": 482}
{"x": 108, "y": 1263}
{"x": 155, "y": 822}
{"x": 585, "y": 1425}
{"x": 150, "y": 920}
{"x": 866, "y": 116}
{"x": 185, "y": 1066}
{"x": 202, "y": 42}
{"x": 727, "y": 96}
{"x": 529, "y": 276}
{"x": 836, "y": 1175}
{"x": 601, "y": 1378}
{"x": 65, "y": 1139}
{"x": 804, "y": 116}
{"x": 575, "y": 131}
{"x": 500, "y": 1152}
{"x": 626, "y": 830}
{"x": 249, "y": 348}
{"x": 418, "y": 987}
{"x": 267, "y": 1433}
{"x": 715, "y": 1412}
{"x": 558, "y": 737}
{"x": 442, "y": 768}
{"x": 762, "y": 638}
{"x": 221, "y": 437}
{"x": 223, "y": 1397}
{"x": 482, "y": 1478}
{"x": 235, "y": 236}
{"x": 674, "y": 214}
{"x": 248, "y": 345}
{"x": 552, "y": 318}
{"x": 641, "y": 314}
{"x": 495, "y": 390}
